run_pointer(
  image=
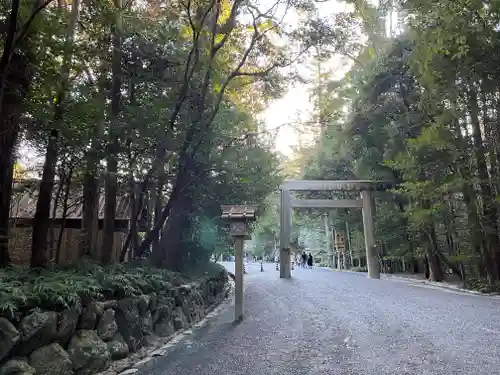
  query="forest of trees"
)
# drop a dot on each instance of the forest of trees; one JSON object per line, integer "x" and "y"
{"x": 166, "y": 96}
{"x": 418, "y": 107}
{"x": 163, "y": 95}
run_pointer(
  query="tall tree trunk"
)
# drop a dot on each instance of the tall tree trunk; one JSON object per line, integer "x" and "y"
{"x": 490, "y": 211}
{"x": 471, "y": 204}
{"x": 135, "y": 236}
{"x": 41, "y": 220}
{"x": 494, "y": 135}
{"x": 17, "y": 80}
{"x": 177, "y": 238}
{"x": 53, "y": 215}
{"x": 171, "y": 252}
{"x": 14, "y": 83}
{"x": 435, "y": 269}
{"x": 14, "y": 36}
{"x": 111, "y": 188}
{"x": 181, "y": 182}
{"x": 133, "y": 245}
{"x": 158, "y": 203}
{"x": 427, "y": 271}
{"x": 90, "y": 205}
{"x": 477, "y": 238}
{"x": 8, "y": 129}
{"x": 6, "y": 171}
{"x": 67, "y": 190}
{"x": 91, "y": 184}
{"x": 175, "y": 202}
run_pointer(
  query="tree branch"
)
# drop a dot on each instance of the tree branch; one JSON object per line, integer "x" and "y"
{"x": 191, "y": 64}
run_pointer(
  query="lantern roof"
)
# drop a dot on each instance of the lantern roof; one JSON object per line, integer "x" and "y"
{"x": 239, "y": 212}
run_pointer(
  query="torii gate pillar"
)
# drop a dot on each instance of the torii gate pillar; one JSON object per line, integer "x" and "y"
{"x": 285, "y": 233}
{"x": 369, "y": 229}
{"x": 366, "y": 203}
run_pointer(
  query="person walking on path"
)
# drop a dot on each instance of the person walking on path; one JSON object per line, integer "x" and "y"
{"x": 310, "y": 261}
{"x": 304, "y": 259}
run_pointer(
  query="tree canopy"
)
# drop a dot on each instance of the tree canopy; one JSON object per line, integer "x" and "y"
{"x": 158, "y": 102}
{"x": 151, "y": 103}
{"x": 419, "y": 107}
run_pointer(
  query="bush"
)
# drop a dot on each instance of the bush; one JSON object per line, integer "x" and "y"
{"x": 483, "y": 286}
{"x": 61, "y": 287}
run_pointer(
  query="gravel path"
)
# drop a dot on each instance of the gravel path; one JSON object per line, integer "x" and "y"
{"x": 324, "y": 322}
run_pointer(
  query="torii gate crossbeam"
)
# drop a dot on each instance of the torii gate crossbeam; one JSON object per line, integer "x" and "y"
{"x": 366, "y": 203}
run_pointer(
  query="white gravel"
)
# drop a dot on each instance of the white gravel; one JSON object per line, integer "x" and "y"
{"x": 323, "y": 322}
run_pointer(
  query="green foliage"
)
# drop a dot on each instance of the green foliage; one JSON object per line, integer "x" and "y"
{"x": 483, "y": 286}
{"x": 420, "y": 112}
{"x": 62, "y": 287}
{"x": 265, "y": 233}
{"x": 419, "y": 108}
{"x": 188, "y": 97}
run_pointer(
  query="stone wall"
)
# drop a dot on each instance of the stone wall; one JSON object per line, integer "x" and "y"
{"x": 84, "y": 340}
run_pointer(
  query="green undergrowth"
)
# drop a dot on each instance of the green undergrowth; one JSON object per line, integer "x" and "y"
{"x": 482, "y": 286}
{"x": 62, "y": 287}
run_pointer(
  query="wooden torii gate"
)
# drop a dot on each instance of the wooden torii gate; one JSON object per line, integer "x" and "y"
{"x": 365, "y": 202}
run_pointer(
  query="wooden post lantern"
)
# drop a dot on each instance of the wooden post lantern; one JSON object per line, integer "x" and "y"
{"x": 238, "y": 217}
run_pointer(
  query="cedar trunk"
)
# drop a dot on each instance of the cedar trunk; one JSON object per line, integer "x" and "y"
{"x": 16, "y": 86}
{"x": 111, "y": 188}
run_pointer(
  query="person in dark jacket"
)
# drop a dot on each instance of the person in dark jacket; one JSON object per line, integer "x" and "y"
{"x": 310, "y": 261}
{"x": 304, "y": 259}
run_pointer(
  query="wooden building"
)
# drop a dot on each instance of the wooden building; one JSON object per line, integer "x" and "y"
{"x": 23, "y": 207}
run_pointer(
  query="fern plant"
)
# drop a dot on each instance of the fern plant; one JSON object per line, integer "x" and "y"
{"x": 64, "y": 287}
